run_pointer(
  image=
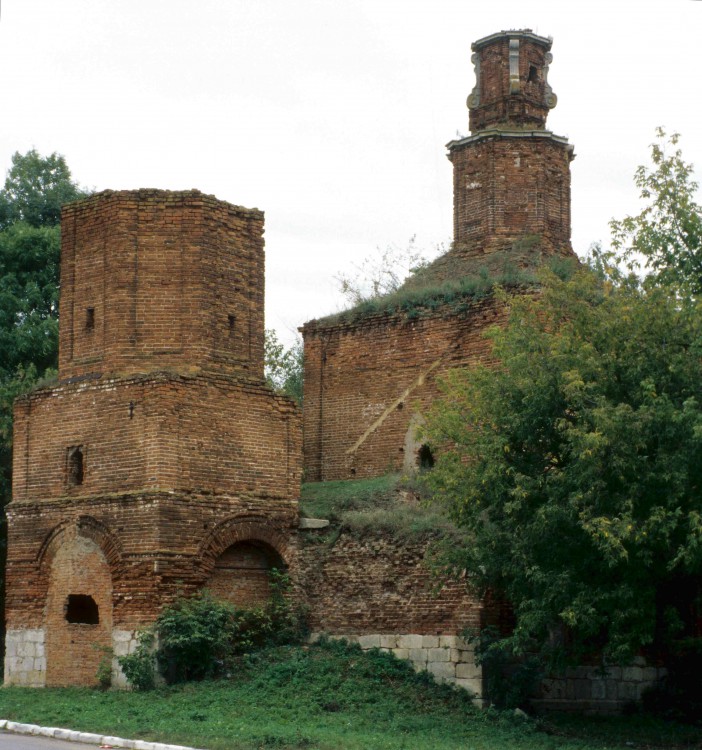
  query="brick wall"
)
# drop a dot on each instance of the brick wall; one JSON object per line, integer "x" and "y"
{"x": 379, "y": 584}
{"x": 163, "y": 431}
{"x": 508, "y": 186}
{"x": 378, "y": 591}
{"x": 366, "y": 383}
{"x": 152, "y": 279}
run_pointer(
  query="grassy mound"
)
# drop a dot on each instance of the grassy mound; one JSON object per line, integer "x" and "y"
{"x": 329, "y": 696}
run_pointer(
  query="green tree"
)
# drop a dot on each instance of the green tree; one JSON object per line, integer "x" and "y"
{"x": 576, "y": 466}
{"x": 35, "y": 189}
{"x": 30, "y": 203}
{"x": 666, "y": 236}
{"x": 383, "y": 273}
{"x": 283, "y": 366}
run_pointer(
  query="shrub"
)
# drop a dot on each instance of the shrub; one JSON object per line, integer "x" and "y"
{"x": 200, "y": 637}
{"x": 138, "y": 667}
{"x": 509, "y": 679}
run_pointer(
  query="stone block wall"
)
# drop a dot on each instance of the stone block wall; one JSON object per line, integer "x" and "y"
{"x": 448, "y": 658}
{"x": 597, "y": 690}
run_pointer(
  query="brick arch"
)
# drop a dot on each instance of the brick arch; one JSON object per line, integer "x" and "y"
{"x": 85, "y": 526}
{"x": 78, "y": 612}
{"x": 241, "y": 529}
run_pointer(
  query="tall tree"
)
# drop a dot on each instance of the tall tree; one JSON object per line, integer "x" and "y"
{"x": 284, "y": 366}
{"x": 576, "y": 463}
{"x": 30, "y": 205}
{"x": 35, "y": 189}
{"x": 576, "y": 466}
{"x": 666, "y": 236}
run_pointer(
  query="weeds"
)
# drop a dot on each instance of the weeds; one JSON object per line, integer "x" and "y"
{"x": 379, "y": 505}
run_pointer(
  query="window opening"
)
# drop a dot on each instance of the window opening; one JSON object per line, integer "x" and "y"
{"x": 89, "y": 318}
{"x": 425, "y": 458}
{"x": 81, "y": 608}
{"x": 533, "y": 74}
{"x": 76, "y": 468}
{"x": 232, "y": 324}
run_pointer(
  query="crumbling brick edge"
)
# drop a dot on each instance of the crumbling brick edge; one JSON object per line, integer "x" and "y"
{"x": 88, "y": 738}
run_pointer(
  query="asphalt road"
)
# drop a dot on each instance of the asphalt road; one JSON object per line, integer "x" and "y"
{"x": 9, "y": 741}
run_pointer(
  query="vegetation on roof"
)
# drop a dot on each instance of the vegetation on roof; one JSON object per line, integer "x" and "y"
{"x": 454, "y": 282}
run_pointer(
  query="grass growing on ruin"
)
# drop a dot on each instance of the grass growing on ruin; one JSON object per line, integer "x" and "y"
{"x": 325, "y": 697}
{"x": 388, "y": 504}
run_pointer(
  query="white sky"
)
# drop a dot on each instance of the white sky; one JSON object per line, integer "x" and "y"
{"x": 332, "y": 115}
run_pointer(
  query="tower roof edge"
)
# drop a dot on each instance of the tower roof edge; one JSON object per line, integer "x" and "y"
{"x": 544, "y": 41}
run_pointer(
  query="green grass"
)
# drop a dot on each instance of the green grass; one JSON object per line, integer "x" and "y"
{"x": 389, "y": 504}
{"x": 332, "y": 499}
{"x": 324, "y": 697}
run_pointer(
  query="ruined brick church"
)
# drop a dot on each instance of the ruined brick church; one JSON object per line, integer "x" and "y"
{"x": 162, "y": 464}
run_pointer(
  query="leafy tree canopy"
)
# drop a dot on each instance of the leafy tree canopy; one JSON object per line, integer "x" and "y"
{"x": 575, "y": 464}
{"x": 666, "y": 236}
{"x": 284, "y": 366}
{"x": 30, "y": 204}
{"x": 35, "y": 189}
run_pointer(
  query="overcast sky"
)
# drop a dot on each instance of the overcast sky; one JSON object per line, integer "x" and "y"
{"x": 332, "y": 115}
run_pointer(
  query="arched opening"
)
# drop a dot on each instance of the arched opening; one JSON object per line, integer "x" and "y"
{"x": 425, "y": 458}
{"x": 82, "y": 609}
{"x": 242, "y": 573}
{"x": 78, "y": 615}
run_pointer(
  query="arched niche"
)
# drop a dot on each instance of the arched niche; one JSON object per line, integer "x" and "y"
{"x": 242, "y": 573}
{"x": 78, "y": 619}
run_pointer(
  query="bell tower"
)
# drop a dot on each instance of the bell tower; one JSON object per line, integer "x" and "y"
{"x": 511, "y": 174}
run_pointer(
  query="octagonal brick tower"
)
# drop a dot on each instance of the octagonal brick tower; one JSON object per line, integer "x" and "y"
{"x": 511, "y": 175}
{"x": 160, "y": 462}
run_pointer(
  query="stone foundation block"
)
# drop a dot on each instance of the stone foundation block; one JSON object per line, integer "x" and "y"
{"x": 418, "y": 655}
{"x": 468, "y": 671}
{"x": 439, "y": 654}
{"x": 443, "y": 671}
{"x": 409, "y": 641}
{"x": 474, "y": 686}
{"x": 448, "y": 641}
{"x": 369, "y": 641}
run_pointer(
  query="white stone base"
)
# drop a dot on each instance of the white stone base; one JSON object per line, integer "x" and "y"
{"x": 124, "y": 642}
{"x": 448, "y": 657}
{"x": 25, "y": 657}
